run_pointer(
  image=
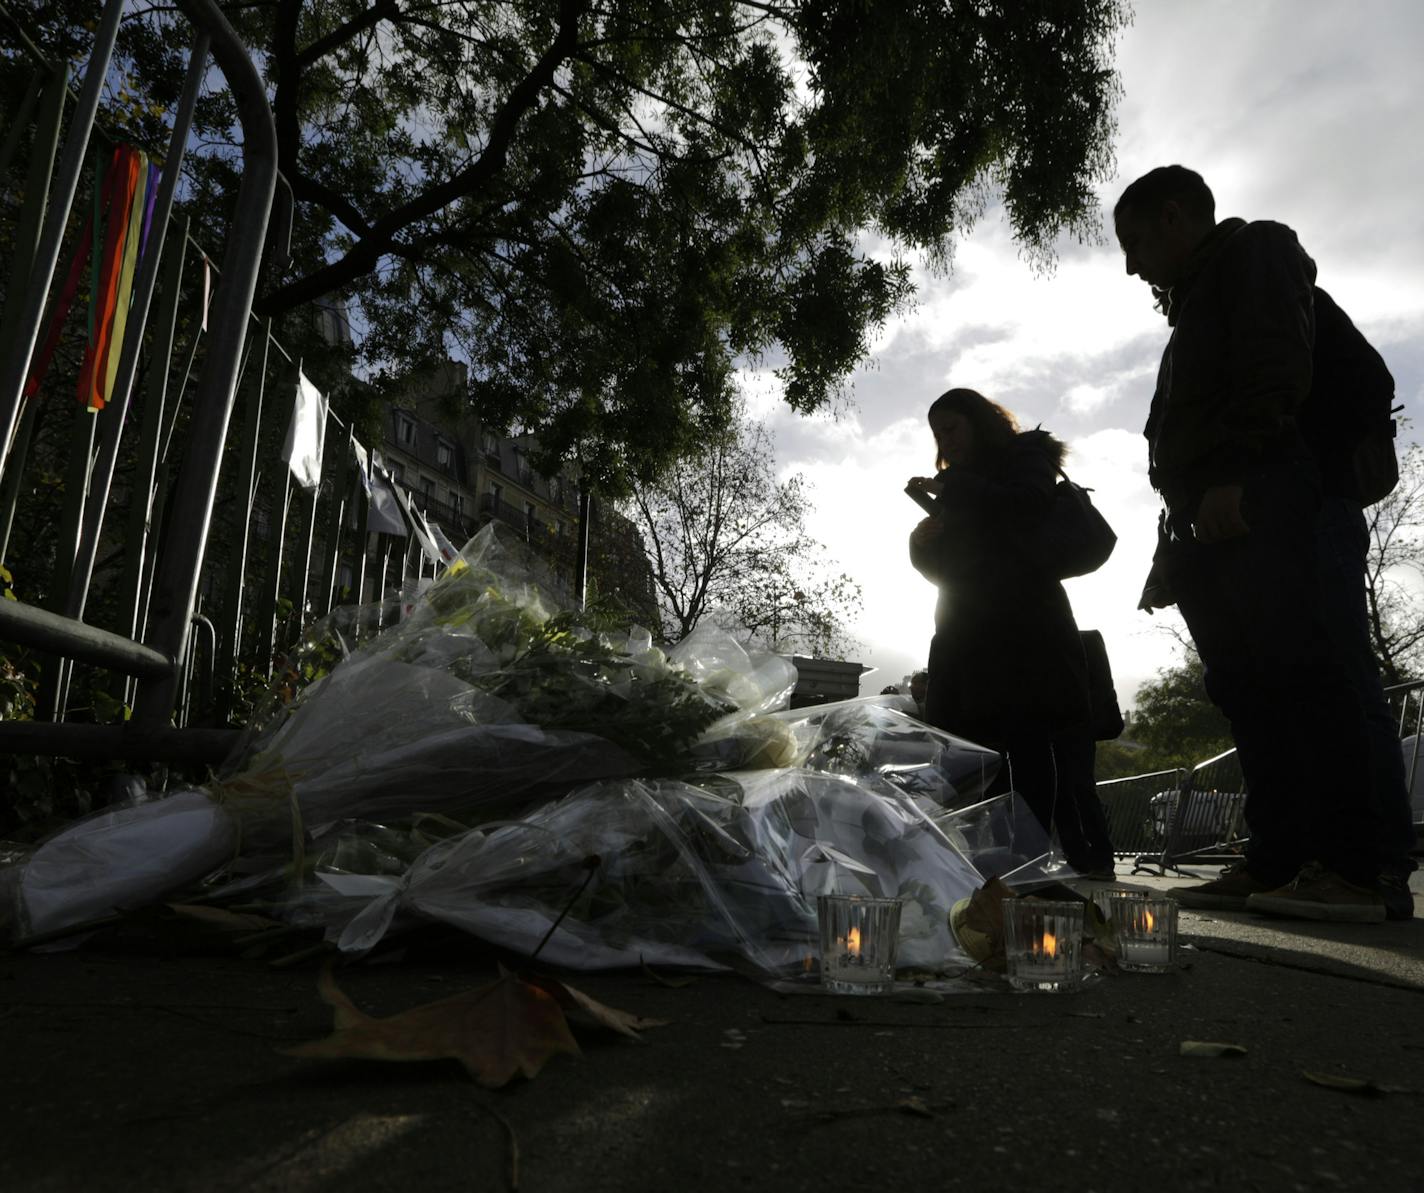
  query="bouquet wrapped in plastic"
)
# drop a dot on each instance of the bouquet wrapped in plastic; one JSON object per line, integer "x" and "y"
{"x": 488, "y": 694}
{"x": 485, "y": 697}
{"x": 675, "y": 873}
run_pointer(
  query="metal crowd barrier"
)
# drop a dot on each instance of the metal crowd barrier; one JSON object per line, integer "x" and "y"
{"x": 1171, "y": 818}
{"x": 158, "y": 658}
{"x": 1408, "y": 699}
{"x": 1129, "y": 804}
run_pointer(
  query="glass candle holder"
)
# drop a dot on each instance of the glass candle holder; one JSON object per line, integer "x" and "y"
{"x": 1104, "y": 898}
{"x": 1043, "y": 944}
{"x": 1146, "y": 934}
{"x": 858, "y": 940}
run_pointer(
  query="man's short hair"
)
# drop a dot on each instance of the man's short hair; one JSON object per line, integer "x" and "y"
{"x": 1156, "y": 187}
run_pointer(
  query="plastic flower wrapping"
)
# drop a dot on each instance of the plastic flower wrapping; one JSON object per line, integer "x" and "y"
{"x": 547, "y": 782}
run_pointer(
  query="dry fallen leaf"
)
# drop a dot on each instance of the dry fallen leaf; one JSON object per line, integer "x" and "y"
{"x": 505, "y": 1027}
{"x": 1210, "y": 1048}
{"x": 979, "y": 924}
{"x": 591, "y": 1011}
{"x": 1355, "y": 1085}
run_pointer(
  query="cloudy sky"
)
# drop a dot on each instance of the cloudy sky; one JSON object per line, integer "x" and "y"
{"x": 1303, "y": 111}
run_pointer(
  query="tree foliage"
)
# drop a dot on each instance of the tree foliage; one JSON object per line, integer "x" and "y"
{"x": 727, "y": 540}
{"x": 1395, "y": 573}
{"x": 606, "y": 206}
{"x": 1175, "y": 721}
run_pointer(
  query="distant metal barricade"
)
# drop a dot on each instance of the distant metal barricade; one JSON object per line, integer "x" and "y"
{"x": 1206, "y": 823}
{"x": 1128, "y": 804}
{"x": 1169, "y": 818}
{"x": 1407, "y": 701}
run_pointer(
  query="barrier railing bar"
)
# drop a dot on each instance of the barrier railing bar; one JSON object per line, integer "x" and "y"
{"x": 175, "y": 582}
{"x": 53, "y": 632}
{"x": 140, "y": 529}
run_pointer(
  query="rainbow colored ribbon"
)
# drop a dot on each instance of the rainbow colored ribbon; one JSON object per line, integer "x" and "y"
{"x": 123, "y": 210}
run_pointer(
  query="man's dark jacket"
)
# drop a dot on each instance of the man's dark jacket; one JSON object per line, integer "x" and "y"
{"x": 1238, "y": 365}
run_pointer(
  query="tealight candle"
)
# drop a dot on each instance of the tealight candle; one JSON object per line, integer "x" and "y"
{"x": 858, "y": 942}
{"x": 1146, "y": 934}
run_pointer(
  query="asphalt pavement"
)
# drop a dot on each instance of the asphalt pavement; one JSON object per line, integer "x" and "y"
{"x": 132, "y": 1070}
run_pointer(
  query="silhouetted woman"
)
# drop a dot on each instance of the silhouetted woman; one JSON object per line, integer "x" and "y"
{"x": 1006, "y": 662}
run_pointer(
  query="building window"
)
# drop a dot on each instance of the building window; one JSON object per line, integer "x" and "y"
{"x": 489, "y": 441}
{"x": 405, "y": 429}
{"x": 443, "y": 454}
{"x": 427, "y": 487}
{"x": 530, "y": 513}
{"x": 496, "y": 492}
{"x": 334, "y": 325}
{"x": 457, "y": 504}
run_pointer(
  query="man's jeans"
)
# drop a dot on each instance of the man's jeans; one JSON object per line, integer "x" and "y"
{"x": 1255, "y": 611}
{"x": 1344, "y": 557}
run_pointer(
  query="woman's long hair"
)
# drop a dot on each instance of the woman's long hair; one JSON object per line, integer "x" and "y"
{"x": 993, "y": 427}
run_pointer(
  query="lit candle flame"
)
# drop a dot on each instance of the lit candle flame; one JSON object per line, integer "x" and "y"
{"x": 1050, "y": 945}
{"x": 853, "y": 942}
{"x": 1150, "y": 921}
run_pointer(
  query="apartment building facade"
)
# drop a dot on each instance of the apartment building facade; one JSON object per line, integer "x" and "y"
{"x": 463, "y": 475}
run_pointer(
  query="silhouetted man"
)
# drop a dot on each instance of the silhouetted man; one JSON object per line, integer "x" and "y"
{"x": 1238, "y": 552}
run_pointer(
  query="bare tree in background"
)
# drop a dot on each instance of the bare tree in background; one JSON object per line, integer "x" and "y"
{"x": 1396, "y": 572}
{"x": 728, "y": 540}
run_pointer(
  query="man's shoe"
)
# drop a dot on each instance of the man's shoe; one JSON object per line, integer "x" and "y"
{"x": 1320, "y": 894}
{"x": 1398, "y": 898}
{"x": 1227, "y": 893}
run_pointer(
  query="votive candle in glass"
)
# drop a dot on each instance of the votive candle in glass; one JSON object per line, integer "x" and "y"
{"x": 1043, "y": 943}
{"x": 858, "y": 941}
{"x": 1146, "y": 932}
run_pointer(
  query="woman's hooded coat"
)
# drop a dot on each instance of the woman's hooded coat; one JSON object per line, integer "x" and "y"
{"x": 1006, "y": 659}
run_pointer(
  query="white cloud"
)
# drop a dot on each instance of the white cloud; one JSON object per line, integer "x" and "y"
{"x": 1085, "y": 399}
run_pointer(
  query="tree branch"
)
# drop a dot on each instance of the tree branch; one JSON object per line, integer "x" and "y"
{"x": 368, "y": 250}
{"x": 369, "y": 19}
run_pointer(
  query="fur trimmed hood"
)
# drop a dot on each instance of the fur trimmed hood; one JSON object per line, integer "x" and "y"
{"x": 1040, "y": 440}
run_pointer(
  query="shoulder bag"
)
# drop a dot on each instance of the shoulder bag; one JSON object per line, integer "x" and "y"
{"x": 1075, "y": 538}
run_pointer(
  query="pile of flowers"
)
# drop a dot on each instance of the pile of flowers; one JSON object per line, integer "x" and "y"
{"x": 537, "y": 775}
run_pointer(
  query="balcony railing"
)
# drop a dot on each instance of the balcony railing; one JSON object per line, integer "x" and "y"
{"x": 445, "y": 514}
{"x": 533, "y": 527}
